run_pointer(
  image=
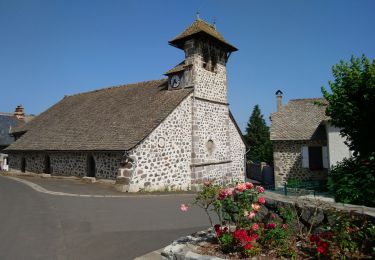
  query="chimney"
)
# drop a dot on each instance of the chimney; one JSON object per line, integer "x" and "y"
{"x": 279, "y": 99}
{"x": 19, "y": 112}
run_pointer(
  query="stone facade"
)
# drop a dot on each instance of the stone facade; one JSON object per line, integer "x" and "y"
{"x": 238, "y": 150}
{"x": 209, "y": 83}
{"x": 162, "y": 160}
{"x": 288, "y": 161}
{"x": 171, "y": 157}
{"x": 68, "y": 163}
{"x": 214, "y": 156}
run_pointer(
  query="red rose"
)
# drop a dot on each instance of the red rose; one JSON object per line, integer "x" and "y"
{"x": 314, "y": 238}
{"x": 248, "y": 246}
{"x": 271, "y": 226}
{"x": 254, "y": 236}
{"x": 321, "y": 250}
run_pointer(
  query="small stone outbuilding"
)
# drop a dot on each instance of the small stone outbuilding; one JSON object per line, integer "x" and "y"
{"x": 171, "y": 133}
{"x": 305, "y": 143}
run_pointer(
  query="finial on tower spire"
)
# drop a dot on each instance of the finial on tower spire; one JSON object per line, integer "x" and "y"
{"x": 198, "y": 18}
{"x": 214, "y": 23}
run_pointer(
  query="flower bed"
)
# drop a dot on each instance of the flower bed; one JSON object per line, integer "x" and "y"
{"x": 245, "y": 225}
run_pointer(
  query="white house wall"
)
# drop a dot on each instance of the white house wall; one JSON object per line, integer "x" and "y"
{"x": 337, "y": 149}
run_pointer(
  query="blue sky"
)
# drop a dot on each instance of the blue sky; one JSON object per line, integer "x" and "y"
{"x": 51, "y": 48}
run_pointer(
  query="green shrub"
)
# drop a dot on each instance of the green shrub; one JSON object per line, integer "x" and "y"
{"x": 353, "y": 181}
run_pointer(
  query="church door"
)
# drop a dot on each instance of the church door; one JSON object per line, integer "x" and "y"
{"x": 91, "y": 168}
{"x": 47, "y": 165}
{"x": 23, "y": 164}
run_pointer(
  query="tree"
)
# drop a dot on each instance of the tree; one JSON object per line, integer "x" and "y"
{"x": 352, "y": 103}
{"x": 351, "y": 106}
{"x": 258, "y": 137}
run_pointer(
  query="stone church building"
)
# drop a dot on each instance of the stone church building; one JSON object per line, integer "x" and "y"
{"x": 171, "y": 133}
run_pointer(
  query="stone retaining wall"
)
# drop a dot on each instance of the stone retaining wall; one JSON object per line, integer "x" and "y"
{"x": 187, "y": 248}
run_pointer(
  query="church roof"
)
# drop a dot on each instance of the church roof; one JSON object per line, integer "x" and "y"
{"x": 7, "y": 122}
{"x": 179, "y": 67}
{"x": 197, "y": 27}
{"x": 299, "y": 119}
{"x": 109, "y": 119}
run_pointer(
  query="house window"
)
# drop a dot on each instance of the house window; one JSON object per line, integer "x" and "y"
{"x": 314, "y": 157}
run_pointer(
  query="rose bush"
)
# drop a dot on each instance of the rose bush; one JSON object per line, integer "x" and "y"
{"x": 242, "y": 230}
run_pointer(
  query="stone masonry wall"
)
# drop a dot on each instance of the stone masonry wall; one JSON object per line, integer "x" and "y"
{"x": 288, "y": 162}
{"x": 216, "y": 80}
{"x": 34, "y": 162}
{"x": 217, "y": 151}
{"x": 69, "y": 164}
{"x": 211, "y": 122}
{"x": 211, "y": 144}
{"x": 238, "y": 150}
{"x": 211, "y": 85}
{"x": 163, "y": 158}
{"x": 219, "y": 173}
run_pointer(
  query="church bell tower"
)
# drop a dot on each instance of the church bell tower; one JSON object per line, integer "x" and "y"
{"x": 204, "y": 70}
{"x": 204, "y": 67}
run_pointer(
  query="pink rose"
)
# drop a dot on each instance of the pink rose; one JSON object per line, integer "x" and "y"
{"x": 184, "y": 207}
{"x": 223, "y": 193}
{"x": 249, "y": 185}
{"x": 260, "y": 189}
{"x": 255, "y": 206}
{"x": 262, "y": 200}
{"x": 241, "y": 187}
{"x": 255, "y": 227}
{"x": 206, "y": 183}
{"x": 251, "y": 215}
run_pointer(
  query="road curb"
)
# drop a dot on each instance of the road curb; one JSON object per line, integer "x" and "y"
{"x": 40, "y": 189}
{"x": 154, "y": 255}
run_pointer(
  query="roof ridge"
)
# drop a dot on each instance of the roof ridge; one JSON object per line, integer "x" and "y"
{"x": 306, "y": 99}
{"x": 6, "y": 114}
{"x": 201, "y": 20}
{"x": 117, "y": 86}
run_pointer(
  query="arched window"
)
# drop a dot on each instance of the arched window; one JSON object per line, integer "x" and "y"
{"x": 91, "y": 168}
{"x": 210, "y": 147}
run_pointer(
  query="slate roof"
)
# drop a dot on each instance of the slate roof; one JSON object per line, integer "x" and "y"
{"x": 20, "y": 128}
{"x": 299, "y": 119}
{"x": 197, "y": 27}
{"x": 7, "y": 122}
{"x": 110, "y": 119}
{"x": 179, "y": 67}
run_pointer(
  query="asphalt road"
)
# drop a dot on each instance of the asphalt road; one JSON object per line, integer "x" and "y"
{"x": 35, "y": 225}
